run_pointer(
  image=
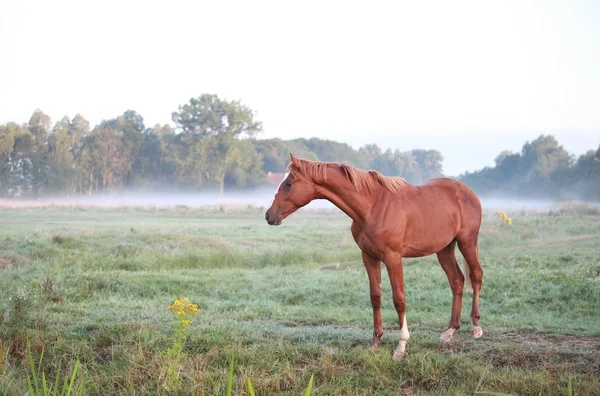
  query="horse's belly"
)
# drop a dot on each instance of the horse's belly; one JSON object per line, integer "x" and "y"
{"x": 418, "y": 251}
{"x": 425, "y": 239}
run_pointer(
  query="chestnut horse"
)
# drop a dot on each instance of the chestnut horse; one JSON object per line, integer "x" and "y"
{"x": 393, "y": 219}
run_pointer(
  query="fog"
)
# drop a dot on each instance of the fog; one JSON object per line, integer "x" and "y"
{"x": 258, "y": 198}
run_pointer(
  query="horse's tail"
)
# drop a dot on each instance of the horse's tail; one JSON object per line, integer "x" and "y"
{"x": 468, "y": 285}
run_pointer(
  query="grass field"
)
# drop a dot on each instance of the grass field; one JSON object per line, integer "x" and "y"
{"x": 94, "y": 285}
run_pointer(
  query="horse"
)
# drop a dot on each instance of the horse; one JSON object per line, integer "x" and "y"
{"x": 393, "y": 219}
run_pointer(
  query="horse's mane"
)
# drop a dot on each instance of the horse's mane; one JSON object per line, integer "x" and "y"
{"x": 360, "y": 179}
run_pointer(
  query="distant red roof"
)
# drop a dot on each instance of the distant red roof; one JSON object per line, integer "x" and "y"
{"x": 275, "y": 178}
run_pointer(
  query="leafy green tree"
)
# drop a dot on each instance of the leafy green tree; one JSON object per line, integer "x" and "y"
{"x": 20, "y": 163}
{"x": 502, "y": 156}
{"x": 397, "y": 163}
{"x": 154, "y": 167}
{"x": 216, "y": 124}
{"x": 276, "y": 153}
{"x": 586, "y": 175}
{"x": 384, "y": 163}
{"x": 430, "y": 162}
{"x": 110, "y": 158}
{"x": 332, "y": 151}
{"x": 39, "y": 128}
{"x": 405, "y": 166}
{"x": 61, "y": 174}
{"x": 246, "y": 170}
{"x": 594, "y": 166}
{"x": 543, "y": 165}
{"x": 79, "y": 129}
{"x": 148, "y": 162}
{"x": 129, "y": 127}
{"x": 8, "y": 132}
{"x": 163, "y": 130}
{"x": 370, "y": 152}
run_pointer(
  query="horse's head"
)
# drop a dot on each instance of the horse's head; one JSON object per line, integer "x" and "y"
{"x": 293, "y": 193}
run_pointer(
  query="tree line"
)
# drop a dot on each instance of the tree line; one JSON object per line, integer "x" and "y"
{"x": 214, "y": 146}
{"x": 543, "y": 168}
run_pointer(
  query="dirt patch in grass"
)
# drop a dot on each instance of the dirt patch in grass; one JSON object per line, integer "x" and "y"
{"x": 532, "y": 351}
{"x": 562, "y": 341}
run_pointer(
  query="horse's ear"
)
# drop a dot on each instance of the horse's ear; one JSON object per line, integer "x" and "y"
{"x": 294, "y": 160}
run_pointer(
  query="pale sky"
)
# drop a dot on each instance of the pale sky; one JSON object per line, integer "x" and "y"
{"x": 468, "y": 78}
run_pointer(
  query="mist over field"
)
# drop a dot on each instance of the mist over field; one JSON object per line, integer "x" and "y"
{"x": 259, "y": 198}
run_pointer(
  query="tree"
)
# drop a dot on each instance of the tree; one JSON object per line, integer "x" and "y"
{"x": 276, "y": 153}
{"x": 595, "y": 164}
{"x": 384, "y": 163}
{"x": 60, "y": 159}
{"x": 247, "y": 168}
{"x": 79, "y": 129}
{"x": 502, "y": 156}
{"x": 430, "y": 162}
{"x": 20, "y": 163}
{"x": 544, "y": 164}
{"x": 7, "y": 142}
{"x": 164, "y": 130}
{"x": 108, "y": 159}
{"x": 405, "y": 166}
{"x": 332, "y": 151}
{"x": 370, "y": 152}
{"x": 39, "y": 127}
{"x": 586, "y": 175}
{"x": 130, "y": 128}
{"x": 220, "y": 122}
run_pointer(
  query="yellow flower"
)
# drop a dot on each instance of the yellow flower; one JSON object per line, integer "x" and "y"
{"x": 186, "y": 323}
{"x": 504, "y": 219}
{"x": 183, "y": 308}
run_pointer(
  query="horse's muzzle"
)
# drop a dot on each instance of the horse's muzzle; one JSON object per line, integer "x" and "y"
{"x": 272, "y": 220}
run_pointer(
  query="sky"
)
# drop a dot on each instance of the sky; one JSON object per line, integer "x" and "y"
{"x": 467, "y": 78}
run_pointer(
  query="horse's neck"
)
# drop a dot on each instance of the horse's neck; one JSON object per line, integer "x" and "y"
{"x": 338, "y": 190}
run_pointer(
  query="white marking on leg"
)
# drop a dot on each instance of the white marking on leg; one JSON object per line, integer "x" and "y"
{"x": 277, "y": 189}
{"x": 476, "y": 331}
{"x": 447, "y": 335}
{"x": 404, "y": 336}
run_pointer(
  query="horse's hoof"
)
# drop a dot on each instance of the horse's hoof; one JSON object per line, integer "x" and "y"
{"x": 400, "y": 350}
{"x": 476, "y": 331}
{"x": 447, "y": 335}
{"x": 374, "y": 343}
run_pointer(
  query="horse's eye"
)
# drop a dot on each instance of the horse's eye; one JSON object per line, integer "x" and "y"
{"x": 288, "y": 184}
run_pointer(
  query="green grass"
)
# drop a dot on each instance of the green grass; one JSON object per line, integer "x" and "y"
{"x": 93, "y": 285}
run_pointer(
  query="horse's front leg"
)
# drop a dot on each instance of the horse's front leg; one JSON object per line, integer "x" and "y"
{"x": 373, "y": 266}
{"x": 393, "y": 263}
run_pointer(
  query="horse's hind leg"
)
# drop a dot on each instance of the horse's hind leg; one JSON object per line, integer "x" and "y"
{"x": 468, "y": 248}
{"x": 373, "y": 266}
{"x": 456, "y": 280}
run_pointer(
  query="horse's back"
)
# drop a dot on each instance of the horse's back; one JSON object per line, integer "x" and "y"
{"x": 457, "y": 188}
{"x": 463, "y": 196}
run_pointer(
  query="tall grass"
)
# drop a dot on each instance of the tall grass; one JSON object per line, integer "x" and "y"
{"x": 40, "y": 387}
